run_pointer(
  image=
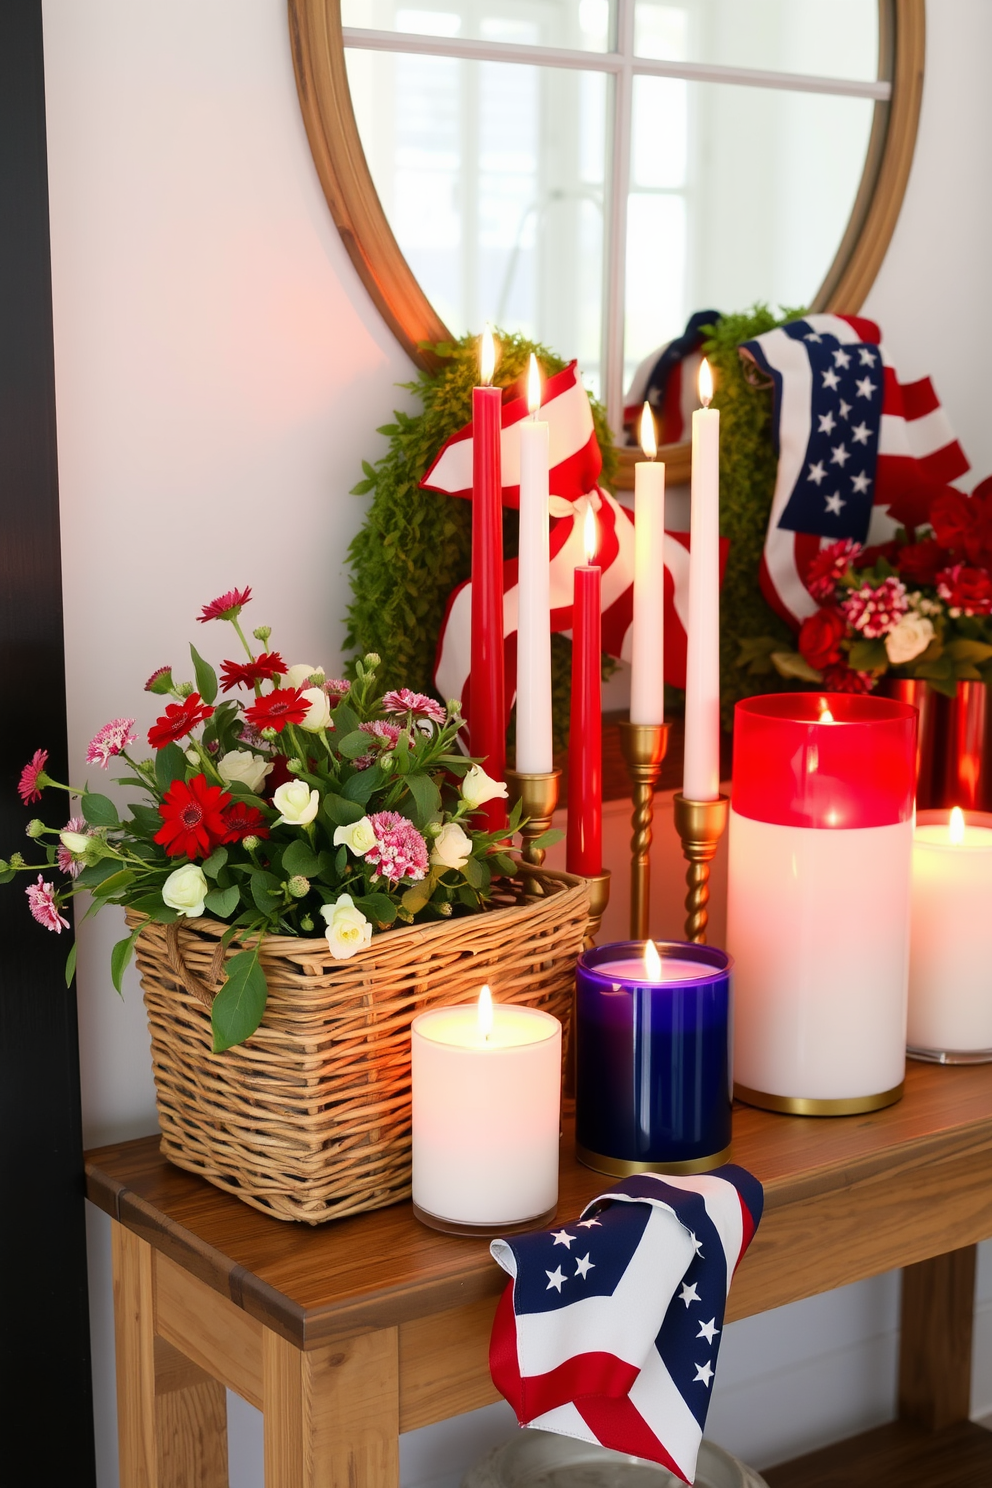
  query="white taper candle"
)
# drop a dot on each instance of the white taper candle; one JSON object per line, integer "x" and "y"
{"x": 701, "y": 777}
{"x": 534, "y": 745}
{"x": 647, "y": 670}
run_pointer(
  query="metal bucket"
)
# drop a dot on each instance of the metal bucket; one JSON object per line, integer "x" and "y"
{"x": 922, "y": 697}
{"x": 964, "y": 734}
{"x": 542, "y": 1459}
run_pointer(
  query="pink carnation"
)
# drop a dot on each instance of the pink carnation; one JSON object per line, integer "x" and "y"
{"x": 876, "y": 611}
{"x": 63, "y": 857}
{"x": 829, "y": 567}
{"x": 385, "y": 735}
{"x": 402, "y": 700}
{"x": 33, "y": 777}
{"x": 399, "y": 851}
{"x": 112, "y": 739}
{"x": 337, "y": 687}
{"x": 43, "y": 905}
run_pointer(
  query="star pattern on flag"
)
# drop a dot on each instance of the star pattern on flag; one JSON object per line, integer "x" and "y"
{"x": 708, "y": 1330}
{"x": 562, "y": 1237}
{"x": 555, "y": 1279}
{"x": 689, "y": 1293}
{"x": 588, "y": 1224}
{"x": 704, "y": 1372}
{"x": 583, "y": 1265}
{"x": 842, "y": 380}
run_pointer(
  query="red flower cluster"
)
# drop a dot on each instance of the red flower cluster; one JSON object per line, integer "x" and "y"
{"x": 277, "y": 708}
{"x": 829, "y": 567}
{"x": 820, "y": 638}
{"x": 242, "y": 820}
{"x": 180, "y": 719}
{"x": 919, "y": 563}
{"x": 963, "y": 524}
{"x": 966, "y": 589}
{"x": 264, "y": 668}
{"x": 193, "y": 818}
{"x": 844, "y": 679}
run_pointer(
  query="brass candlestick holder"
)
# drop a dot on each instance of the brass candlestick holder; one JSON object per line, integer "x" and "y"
{"x": 644, "y": 746}
{"x": 599, "y": 898}
{"x": 538, "y": 797}
{"x": 700, "y": 824}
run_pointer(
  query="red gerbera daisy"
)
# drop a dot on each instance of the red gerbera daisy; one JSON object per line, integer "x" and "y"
{"x": 193, "y": 817}
{"x": 264, "y": 668}
{"x": 277, "y": 708}
{"x": 180, "y": 719}
{"x": 160, "y": 680}
{"x": 242, "y": 820}
{"x": 226, "y": 606}
{"x": 33, "y": 777}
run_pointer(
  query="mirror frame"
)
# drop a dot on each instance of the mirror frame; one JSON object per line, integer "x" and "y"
{"x": 325, "y": 102}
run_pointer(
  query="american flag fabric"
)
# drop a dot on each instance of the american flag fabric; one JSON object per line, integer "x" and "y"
{"x": 667, "y": 380}
{"x": 610, "y": 1328}
{"x": 576, "y": 464}
{"x": 849, "y": 437}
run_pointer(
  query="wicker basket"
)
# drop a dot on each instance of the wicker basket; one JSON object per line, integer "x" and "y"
{"x": 310, "y": 1119}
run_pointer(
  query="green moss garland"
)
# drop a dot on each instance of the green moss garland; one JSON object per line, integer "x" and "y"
{"x": 415, "y": 545}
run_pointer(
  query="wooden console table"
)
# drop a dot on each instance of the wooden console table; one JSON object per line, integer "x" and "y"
{"x": 348, "y": 1334}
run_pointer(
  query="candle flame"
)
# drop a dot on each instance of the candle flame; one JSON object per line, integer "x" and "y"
{"x": 487, "y": 356}
{"x": 705, "y": 383}
{"x": 485, "y": 1012}
{"x": 825, "y": 714}
{"x": 955, "y": 827}
{"x": 590, "y": 536}
{"x": 533, "y": 385}
{"x": 652, "y": 962}
{"x": 649, "y": 440}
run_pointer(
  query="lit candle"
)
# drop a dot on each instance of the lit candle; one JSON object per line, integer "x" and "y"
{"x": 584, "y": 836}
{"x": 534, "y": 747}
{"x": 701, "y": 778}
{"x": 647, "y": 669}
{"x": 818, "y": 899}
{"x": 653, "y": 1057}
{"x": 487, "y": 718}
{"x": 950, "y": 959}
{"x": 486, "y": 1106}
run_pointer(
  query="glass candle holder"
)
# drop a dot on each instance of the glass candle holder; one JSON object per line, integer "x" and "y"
{"x": 821, "y": 835}
{"x": 653, "y": 1083}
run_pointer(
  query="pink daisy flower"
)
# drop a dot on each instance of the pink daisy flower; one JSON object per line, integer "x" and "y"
{"x": 43, "y": 905}
{"x": 399, "y": 851}
{"x": 226, "y": 606}
{"x": 63, "y": 857}
{"x": 402, "y": 700}
{"x": 114, "y": 737}
{"x": 33, "y": 778}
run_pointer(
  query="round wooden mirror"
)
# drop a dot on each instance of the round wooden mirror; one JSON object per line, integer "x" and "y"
{"x": 616, "y": 163}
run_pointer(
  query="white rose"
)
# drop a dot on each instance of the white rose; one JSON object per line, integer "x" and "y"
{"x": 478, "y": 787}
{"x": 319, "y": 713}
{"x": 185, "y": 890}
{"x": 241, "y": 767}
{"x": 299, "y": 675}
{"x": 297, "y": 803}
{"x": 908, "y": 639}
{"x": 452, "y": 847}
{"x": 359, "y": 836}
{"x": 347, "y": 928}
{"x": 75, "y": 842}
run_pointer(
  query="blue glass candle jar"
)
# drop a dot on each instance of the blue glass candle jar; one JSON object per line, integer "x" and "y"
{"x": 653, "y": 1086}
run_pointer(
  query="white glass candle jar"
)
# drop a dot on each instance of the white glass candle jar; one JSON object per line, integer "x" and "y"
{"x": 486, "y": 1115}
{"x": 950, "y": 961}
{"x": 821, "y": 834}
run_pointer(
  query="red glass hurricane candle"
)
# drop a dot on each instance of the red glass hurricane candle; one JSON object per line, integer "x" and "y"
{"x": 487, "y": 718}
{"x": 584, "y": 837}
{"x": 821, "y": 836}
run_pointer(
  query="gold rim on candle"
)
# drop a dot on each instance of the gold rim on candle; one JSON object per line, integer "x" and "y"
{"x": 801, "y": 1105}
{"x": 619, "y": 1167}
{"x": 483, "y": 1231}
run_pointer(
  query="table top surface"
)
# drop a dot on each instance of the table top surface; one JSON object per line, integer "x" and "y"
{"x": 378, "y": 1269}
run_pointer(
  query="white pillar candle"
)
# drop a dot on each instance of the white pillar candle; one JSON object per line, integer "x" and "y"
{"x": 950, "y": 963}
{"x": 647, "y": 668}
{"x": 534, "y": 746}
{"x": 701, "y": 777}
{"x": 486, "y": 1110}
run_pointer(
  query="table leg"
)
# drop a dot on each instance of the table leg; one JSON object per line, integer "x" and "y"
{"x": 171, "y": 1415}
{"x": 938, "y": 1303}
{"x": 332, "y": 1414}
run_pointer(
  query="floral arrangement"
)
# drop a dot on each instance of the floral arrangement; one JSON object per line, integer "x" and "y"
{"x": 298, "y": 805}
{"x": 917, "y": 606}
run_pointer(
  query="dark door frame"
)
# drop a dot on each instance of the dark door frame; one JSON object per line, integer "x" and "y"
{"x": 46, "y": 1414}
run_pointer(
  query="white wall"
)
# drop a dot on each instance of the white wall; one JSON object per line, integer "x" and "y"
{"x": 220, "y": 372}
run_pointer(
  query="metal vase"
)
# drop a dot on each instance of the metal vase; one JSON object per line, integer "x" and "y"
{"x": 929, "y": 757}
{"x": 964, "y": 754}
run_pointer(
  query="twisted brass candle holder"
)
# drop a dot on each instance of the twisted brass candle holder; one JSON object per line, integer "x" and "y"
{"x": 538, "y": 797}
{"x": 644, "y": 746}
{"x": 700, "y": 824}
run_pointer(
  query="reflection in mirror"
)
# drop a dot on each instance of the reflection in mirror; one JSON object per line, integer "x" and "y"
{"x": 591, "y": 173}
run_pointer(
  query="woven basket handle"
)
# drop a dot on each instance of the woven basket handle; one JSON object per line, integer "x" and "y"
{"x": 193, "y": 984}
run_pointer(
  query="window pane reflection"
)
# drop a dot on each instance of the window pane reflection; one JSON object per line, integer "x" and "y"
{"x": 826, "y": 38}
{"x": 582, "y": 25}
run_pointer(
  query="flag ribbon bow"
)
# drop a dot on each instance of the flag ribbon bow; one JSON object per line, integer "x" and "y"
{"x": 610, "y": 1328}
{"x": 576, "y": 464}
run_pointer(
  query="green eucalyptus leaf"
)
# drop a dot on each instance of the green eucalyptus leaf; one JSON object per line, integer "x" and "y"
{"x": 868, "y": 656}
{"x": 96, "y": 873}
{"x": 262, "y": 891}
{"x": 239, "y": 1005}
{"x": 206, "y": 677}
{"x": 222, "y": 902}
{"x": 472, "y": 871}
{"x": 791, "y": 664}
{"x": 298, "y": 857}
{"x": 216, "y": 861}
{"x": 341, "y": 811}
{"x": 170, "y": 765}
{"x": 99, "y": 811}
{"x": 363, "y": 786}
{"x": 426, "y": 796}
{"x": 70, "y": 965}
{"x": 120, "y": 957}
{"x": 353, "y": 745}
{"x": 115, "y": 884}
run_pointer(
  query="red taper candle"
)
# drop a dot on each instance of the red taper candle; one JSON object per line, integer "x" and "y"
{"x": 584, "y": 841}
{"x": 487, "y": 703}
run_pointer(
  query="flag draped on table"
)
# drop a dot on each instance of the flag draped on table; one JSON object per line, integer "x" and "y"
{"x": 610, "y": 1328}
{"x": 850, "y": 438}
{"x": 576, "y": 463}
